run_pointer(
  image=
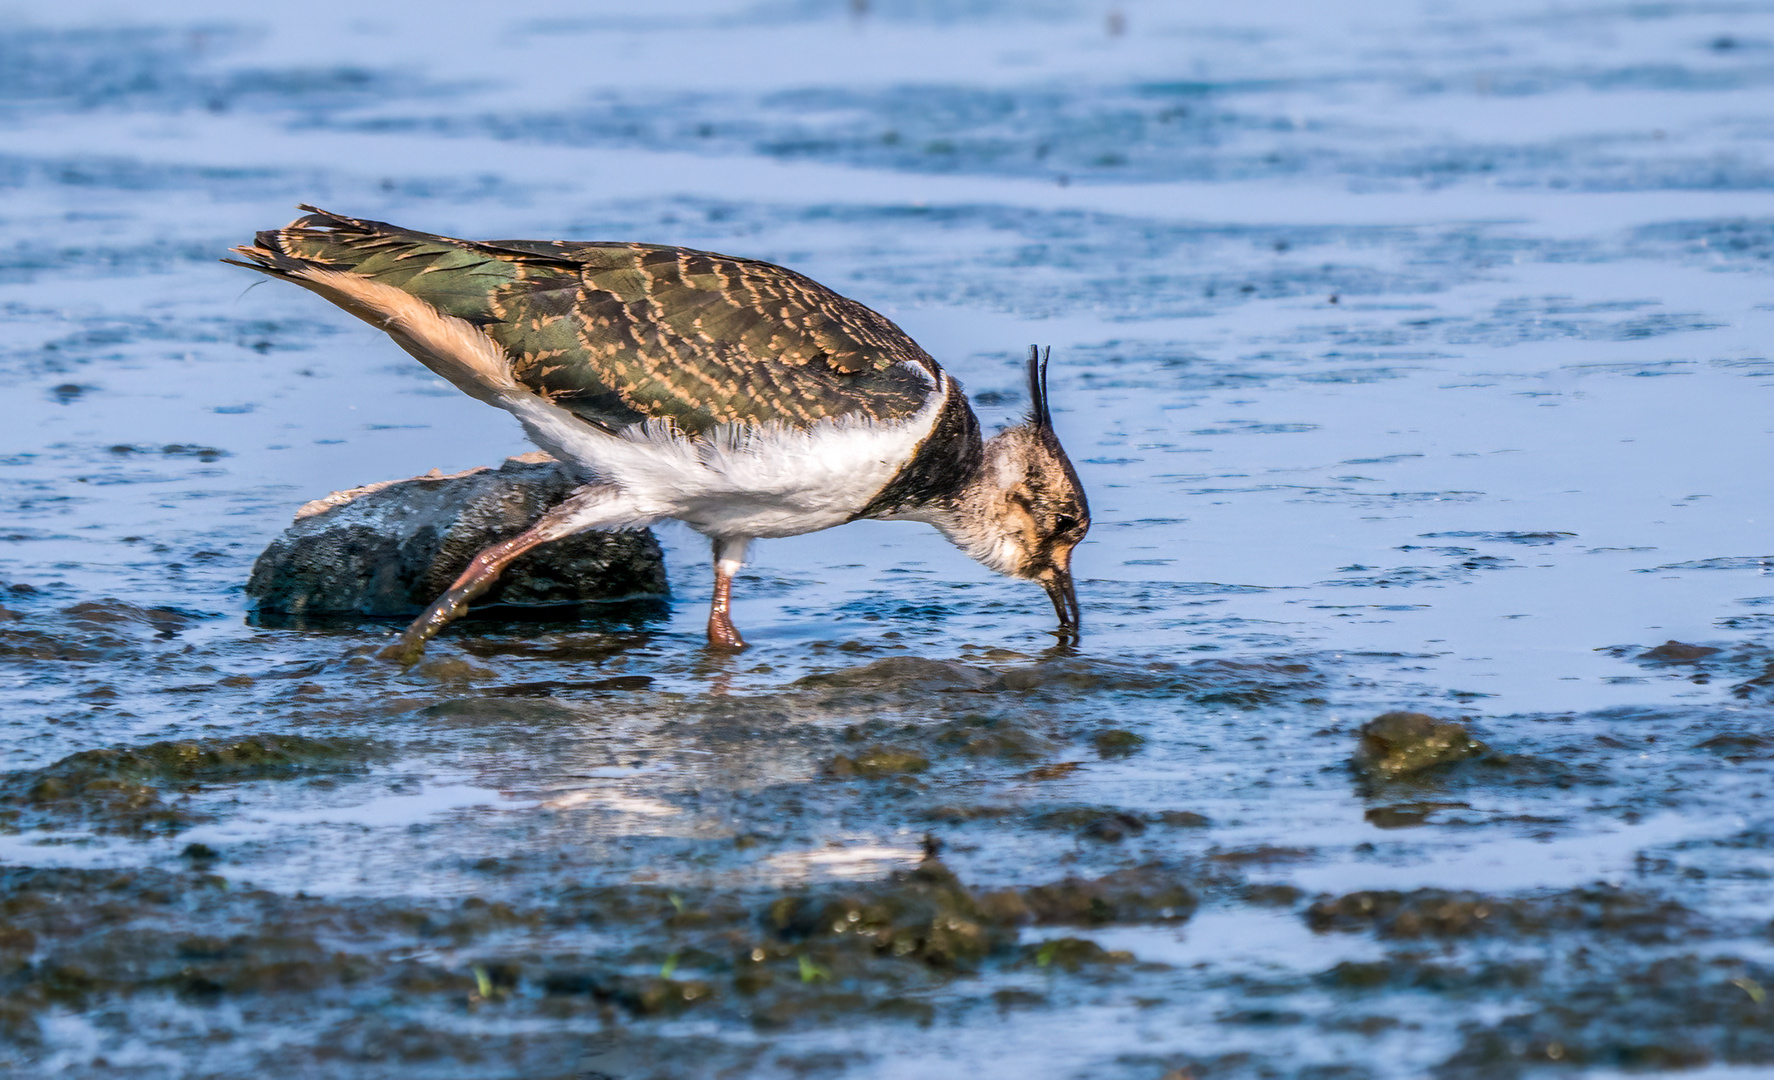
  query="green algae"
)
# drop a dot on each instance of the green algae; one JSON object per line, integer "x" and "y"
{"x": 96, "y": 940}
{"x": 879, "y": 761}
{"x": 1407, "y": 745}
{"x": 126, "y": 789}
{"x": 184, "y": 761}
{"x": 1117, "y": 743}
{"x": 1072, "y": 954}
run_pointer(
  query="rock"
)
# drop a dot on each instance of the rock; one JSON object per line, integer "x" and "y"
{"x": 1401, "y": 744}
{"x": 389, "y": 549}
{"x": 879, "y": 761}
{"x": 1138, "y": 894}
{"x": 128, "y": 789}
{"x": 1677, "y": 652}
{"x": 1114, "y": 743}
{"x": 1070, "y": 953}
{"x": 1114, "y": 828}
{"x": 925, "y": 915}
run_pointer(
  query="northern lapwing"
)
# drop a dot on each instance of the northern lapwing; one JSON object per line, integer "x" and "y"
{"x": 736, "y": 396}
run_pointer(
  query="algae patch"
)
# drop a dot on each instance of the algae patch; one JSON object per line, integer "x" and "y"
{"x": 1407, "y": 745}
{"x": 127, "y": 789}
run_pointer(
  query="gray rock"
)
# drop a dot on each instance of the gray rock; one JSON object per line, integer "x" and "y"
{"x": 390, "y": 549}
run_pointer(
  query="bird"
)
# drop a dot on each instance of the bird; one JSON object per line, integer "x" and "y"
{"x": 737, "y": 396}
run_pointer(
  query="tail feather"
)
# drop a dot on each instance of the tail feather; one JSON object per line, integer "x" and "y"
{"x": 273, "y": 251}
{"x": 384, "y": 275}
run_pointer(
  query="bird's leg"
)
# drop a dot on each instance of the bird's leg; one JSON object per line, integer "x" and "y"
{"x": 729, "y": 557}
{"x": 586, "y": 507}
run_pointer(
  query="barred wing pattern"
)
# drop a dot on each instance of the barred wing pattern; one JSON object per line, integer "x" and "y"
{"x": 619, "y": 332}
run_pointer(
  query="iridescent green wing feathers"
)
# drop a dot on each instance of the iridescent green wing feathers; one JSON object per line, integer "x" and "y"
{"x": 623, "y": 332}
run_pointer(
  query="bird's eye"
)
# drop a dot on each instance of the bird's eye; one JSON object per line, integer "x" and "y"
{"x": 1065, "y": 523}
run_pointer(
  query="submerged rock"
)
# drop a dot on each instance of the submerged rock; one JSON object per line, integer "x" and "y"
{"x": 1678, "y": 652}
{"x": 1138, "y": 894}
{"x": 389, "y": 549}
{"x": 906, "y": 673}
{"x": 1622, "y": 914}
{"x": 1071, "y": 954}
{"x": 123, "y": 789}
{"x": 1115, "y": 743}
{"x": 925, "y": 914}
{"x": 1403, "y": 744}
{"x": 879, "y": 761}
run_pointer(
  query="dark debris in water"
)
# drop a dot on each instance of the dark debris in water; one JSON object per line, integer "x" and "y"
{"x": 1528, "y": 539}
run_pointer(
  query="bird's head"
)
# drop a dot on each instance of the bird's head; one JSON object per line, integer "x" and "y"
{"x": 1034, "y": 511}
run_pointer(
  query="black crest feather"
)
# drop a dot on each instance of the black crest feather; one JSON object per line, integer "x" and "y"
{"x": 1039, "y": 416}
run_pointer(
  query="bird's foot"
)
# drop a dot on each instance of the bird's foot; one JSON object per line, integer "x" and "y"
{"x": 723, "y": 635}
{"x": 406, "y": 649}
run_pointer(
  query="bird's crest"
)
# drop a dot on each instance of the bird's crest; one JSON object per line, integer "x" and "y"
{"x": 1040, "y": 418}
{"x": 1042, "y": 512}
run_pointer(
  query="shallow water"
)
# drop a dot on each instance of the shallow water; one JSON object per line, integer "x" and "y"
{"x": 1410, "y": 357}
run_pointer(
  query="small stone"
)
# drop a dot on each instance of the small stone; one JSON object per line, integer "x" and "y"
{"x": 1070, "y": 954}
{"x": 1402, "y": 744}
{"x": 1115, "y": 742}
{"x": 879, "y": 761}
{"x": 1677, "y": 652}
{"x": 1183, "y": 819}
{"x": 1114, "y": 828}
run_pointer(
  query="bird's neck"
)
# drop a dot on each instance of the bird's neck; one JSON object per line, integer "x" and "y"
{"x": 973, "y": 518}
{"x": 946, "y": 461}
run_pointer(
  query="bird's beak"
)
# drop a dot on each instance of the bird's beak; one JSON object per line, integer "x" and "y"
{"x": 1065, "y": 602}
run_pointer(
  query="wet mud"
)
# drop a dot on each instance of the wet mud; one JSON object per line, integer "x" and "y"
{"x": 1423, "y": 725}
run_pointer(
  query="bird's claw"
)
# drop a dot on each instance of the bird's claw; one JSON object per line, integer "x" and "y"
{"x": 403, "y": 651}
{"x": 723, "y": 636}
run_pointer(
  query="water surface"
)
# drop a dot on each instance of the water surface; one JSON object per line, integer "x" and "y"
{"x": 1410, "y": 356}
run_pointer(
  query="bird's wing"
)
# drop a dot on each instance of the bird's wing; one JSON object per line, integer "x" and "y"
{"x": 623, "y": 332}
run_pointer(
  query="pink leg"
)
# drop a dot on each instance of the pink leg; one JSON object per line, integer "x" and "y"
{"x": 577, "y": 512}
{"x": 722, "y": 634}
